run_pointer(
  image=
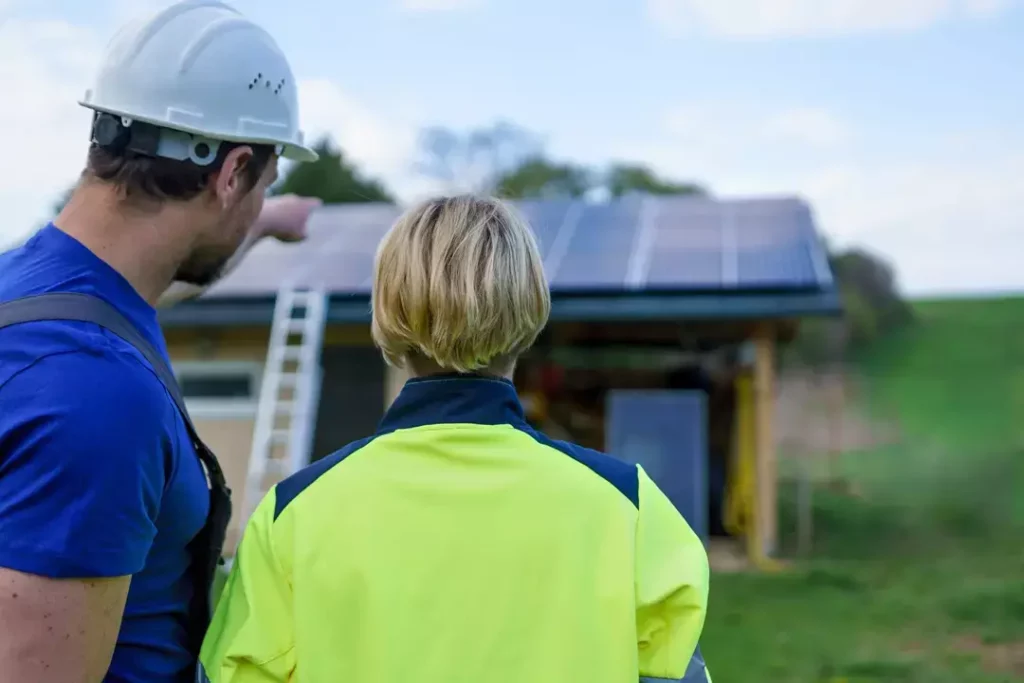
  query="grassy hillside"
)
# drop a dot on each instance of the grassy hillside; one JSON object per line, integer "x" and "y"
{"x": 919, "y": 577}
{"x": 957, "y": 376}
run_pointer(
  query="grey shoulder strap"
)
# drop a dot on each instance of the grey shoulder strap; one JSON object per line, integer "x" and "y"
{"x": 89, "y": 309}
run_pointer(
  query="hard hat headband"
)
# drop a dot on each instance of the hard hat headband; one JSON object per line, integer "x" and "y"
{"x": 121, "y": 135}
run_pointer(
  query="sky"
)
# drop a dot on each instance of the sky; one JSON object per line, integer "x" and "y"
{"x": 899, "y": 121}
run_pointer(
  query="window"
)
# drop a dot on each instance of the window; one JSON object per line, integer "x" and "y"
{"x": 227, "y": 386}
{"x": 220, "y": 389}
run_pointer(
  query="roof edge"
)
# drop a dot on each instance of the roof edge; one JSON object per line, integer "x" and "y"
{"x": 248, "y": 311}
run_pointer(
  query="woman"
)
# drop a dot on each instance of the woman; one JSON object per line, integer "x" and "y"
{"x": 457, "y": 543}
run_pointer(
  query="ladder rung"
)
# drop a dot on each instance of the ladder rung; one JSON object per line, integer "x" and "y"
{"x": 289, "y": 352}
{"x": 280, "y": 436}
{"x": 300, "y": 298}
{"x": 289, "y": 408}
{"x": 285, "y": 408}
{"x": 288, "y": 379}
{"x": 295, "y": 325}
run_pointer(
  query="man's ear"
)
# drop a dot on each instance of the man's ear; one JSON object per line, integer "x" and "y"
{"x": 230, "y": 183}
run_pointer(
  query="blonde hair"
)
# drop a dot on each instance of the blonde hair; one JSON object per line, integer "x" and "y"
{"x": 459, "y": 281}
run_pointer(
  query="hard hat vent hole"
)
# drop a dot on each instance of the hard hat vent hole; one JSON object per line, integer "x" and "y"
{"x": 202, "y": 150}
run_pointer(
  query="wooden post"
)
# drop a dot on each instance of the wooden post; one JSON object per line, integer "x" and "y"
{"x": 767, "y": 468}
{"x": 837, "y": 402}
{"x": 805, "y": 511}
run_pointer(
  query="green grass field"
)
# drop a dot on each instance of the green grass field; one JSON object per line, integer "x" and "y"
{"x": 920, "y": 577}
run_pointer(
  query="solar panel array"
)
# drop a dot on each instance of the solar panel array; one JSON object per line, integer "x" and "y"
{"x": 637, "y": 243}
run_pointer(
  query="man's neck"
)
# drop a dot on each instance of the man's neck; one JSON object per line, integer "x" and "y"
{"x": 145, "y": 247}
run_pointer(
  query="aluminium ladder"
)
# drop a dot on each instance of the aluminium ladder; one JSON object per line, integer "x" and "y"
{"x": 289, "y": 394}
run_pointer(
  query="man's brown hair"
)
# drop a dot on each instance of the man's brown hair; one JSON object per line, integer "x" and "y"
{"x": 148, "y": 179}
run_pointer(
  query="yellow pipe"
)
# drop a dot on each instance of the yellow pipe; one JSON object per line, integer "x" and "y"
{"x": 741, "y": 488}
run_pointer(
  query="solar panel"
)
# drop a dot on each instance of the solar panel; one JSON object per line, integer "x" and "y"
{"x": 547, "y": 218}
{"x": 688, "y": 246}
{"x": 637, "y": 243}
{"x": 345, "y": 264}
{"x": 263, "y": 270}
{"x": 774, "y": 246}
{"x": 597, "y": 255}
{"x": 706, "y": 244}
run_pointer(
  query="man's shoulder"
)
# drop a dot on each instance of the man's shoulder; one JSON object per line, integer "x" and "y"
{"x": 24, "y": 346}
{"x": 47, "y": 346}
{"x": 76, "y": 377}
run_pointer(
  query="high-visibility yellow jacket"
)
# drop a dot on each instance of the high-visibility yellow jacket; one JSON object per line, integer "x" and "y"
{"x": 457, "y": 544}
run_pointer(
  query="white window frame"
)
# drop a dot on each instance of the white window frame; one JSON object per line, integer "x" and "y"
{"x": 222, "y": 408}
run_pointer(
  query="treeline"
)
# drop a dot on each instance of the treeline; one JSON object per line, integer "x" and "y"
{"x": 502, "y": 159}
{"x": 872, "y": 308}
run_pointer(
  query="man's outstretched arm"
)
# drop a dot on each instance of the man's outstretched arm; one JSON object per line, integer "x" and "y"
{"x": 283, "y": 218}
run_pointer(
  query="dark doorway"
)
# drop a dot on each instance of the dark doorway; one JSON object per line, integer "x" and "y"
{"x": 351, "y": 397}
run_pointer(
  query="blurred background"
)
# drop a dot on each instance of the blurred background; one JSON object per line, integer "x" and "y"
{"x": 784, "y": 241}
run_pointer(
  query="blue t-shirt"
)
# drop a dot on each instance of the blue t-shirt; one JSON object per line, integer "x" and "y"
{"x": 98, "y": 477}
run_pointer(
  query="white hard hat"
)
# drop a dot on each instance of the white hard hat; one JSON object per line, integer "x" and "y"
{"x": 201, "y": 73}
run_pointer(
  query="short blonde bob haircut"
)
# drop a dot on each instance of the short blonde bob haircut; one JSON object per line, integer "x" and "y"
{"x": 459, "y": 281}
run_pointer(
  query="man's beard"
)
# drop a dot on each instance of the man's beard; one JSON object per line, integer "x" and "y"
{"x": 206, "y": 266}
{"x": 202, "y": 270}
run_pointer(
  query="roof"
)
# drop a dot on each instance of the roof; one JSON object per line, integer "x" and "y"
{"x": 639, "y": 257}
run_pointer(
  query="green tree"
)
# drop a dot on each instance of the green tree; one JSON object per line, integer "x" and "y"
{"x": 508, "y": 160}
{"x": 331, "y": 178}
{"x": 539, "y": 178}
{"x": 872, "y": 308}
{"x": 874, "y": 281}
{"x": 622, "y": 178}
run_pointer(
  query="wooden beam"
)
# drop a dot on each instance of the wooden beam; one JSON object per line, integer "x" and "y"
{"x": 767, "y": 465}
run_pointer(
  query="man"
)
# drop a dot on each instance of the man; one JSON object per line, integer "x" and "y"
{"x": 102, "y": 491}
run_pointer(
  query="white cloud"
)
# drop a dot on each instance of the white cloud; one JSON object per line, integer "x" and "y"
{"x": 439, "y": 5}
{"x": 798, "y": 18}
{"x": 807, "y": 125}
{"x": 724, "y": 129}
{"x": 949, "y": 225}
{"x": 45, "y": 67}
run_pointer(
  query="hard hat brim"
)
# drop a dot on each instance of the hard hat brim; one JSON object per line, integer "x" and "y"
{"x": 299, "y": 153}
{"x": 289, "y": 150}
